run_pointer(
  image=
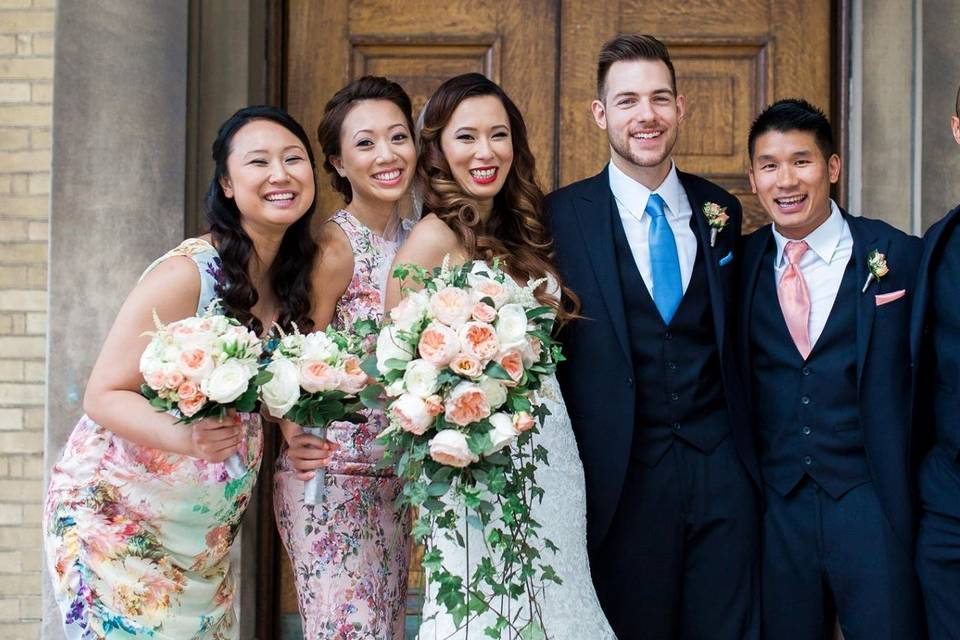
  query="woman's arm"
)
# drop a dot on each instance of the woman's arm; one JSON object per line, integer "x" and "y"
{"x": 430, "y": 241}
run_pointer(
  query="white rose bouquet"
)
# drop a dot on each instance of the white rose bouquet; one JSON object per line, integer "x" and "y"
{"x": 460, "y": 363}
{"x": 317, "y": 379}
{"x": 203, "y": 366}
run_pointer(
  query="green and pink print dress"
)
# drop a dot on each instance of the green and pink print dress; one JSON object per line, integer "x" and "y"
{"x": 349, "y": 553}
{"x": 137, "y": 539}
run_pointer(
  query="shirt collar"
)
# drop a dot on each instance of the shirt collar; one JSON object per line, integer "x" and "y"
{"x": 823, "y": 240}
{"x": 634, "y": 195}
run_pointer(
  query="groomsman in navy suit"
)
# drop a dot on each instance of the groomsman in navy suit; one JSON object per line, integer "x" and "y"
{"x": 650, "y": 381}
{"x": 936, "y": 349}
{"x": 824, "y": 330}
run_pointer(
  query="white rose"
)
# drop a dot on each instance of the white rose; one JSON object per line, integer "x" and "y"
{"x": 450, "y": 447}
{"x": 502, "y": 432}
{"x": 391, "y": 347}
{"x": 420, "y": 378}
{"x": 395, "y": 388}
{"x": 226, "y": 383}
{"x": 283, "y": 389}
{"x": 512, "y": 325}
{"x": 410, "y": 413}
{"x": 495, "y": 391}
{"x": 411, "y": 310}
{"x": 318, "y": 346}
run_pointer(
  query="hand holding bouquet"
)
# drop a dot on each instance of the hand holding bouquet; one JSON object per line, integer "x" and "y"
{"x": 201, "y": 367}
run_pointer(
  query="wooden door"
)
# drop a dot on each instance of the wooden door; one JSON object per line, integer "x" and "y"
{"x": 732, "y": 57}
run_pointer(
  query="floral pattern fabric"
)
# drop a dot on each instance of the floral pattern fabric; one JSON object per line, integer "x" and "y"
{"x": 137, "y": 539}
{"x": 350, "y": 552}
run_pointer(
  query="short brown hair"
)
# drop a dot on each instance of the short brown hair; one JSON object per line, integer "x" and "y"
{"x": 631, "y": 47}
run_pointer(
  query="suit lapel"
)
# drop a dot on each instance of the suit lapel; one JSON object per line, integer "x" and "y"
{"x": 864, "y": 243}
{"x": 922, "y": 294}
{"x": 594, "y": 215}
{"x": 714, "y": 282}
{"x": 754, "y": 250}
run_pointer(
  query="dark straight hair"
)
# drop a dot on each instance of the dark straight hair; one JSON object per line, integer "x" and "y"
{"x": 291, "y": 269}
{"x": 793, "y": 114}
{"x": 627, "y": 48}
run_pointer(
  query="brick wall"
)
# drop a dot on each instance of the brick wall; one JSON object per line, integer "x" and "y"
{"x": 26, "y": 89}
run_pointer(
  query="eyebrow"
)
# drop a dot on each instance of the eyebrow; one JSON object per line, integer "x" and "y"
{"x": 392, "y": 126}
{"x": 287, "y": 148}
{"x": 665, "y": 90}
{"x": 471, "y": 129}
{"x": 795, "y": 154}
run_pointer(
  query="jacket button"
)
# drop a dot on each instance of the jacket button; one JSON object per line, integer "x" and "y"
{"x": 676, "y": 426}
{"x": 674, "y": 396}
{"x": 806, "y": 431}
{"x": 672, "y": 366}
{"x": 807, "y": 460}
{"x": 668, "y": 336}
{"x": 630, "y": 382}
{"x": 805, "y": 371}
{"x": 805, "y": 400}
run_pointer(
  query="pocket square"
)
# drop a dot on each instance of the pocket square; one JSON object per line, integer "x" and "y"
{"x": 884, "y": 298}
{"x": 726, "y": 259}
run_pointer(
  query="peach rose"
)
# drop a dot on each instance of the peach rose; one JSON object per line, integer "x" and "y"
{"x": 450, "y": 447}
{"x": 318, "y": 376}
{"x": 451, "y": 306}
{"x": 467, "y": 403}
{"x": 411, "y": 414}
{"x": 434, "y": 405}
{"x": 531, "y": 351}
{"x": 354, "y": 379}
{"x": 155, "y": 379}
{"x": 484, "y": 312}
{"x": 522, "y": 421}
{"x": 488, "y": 288}
{"x": 438, "y": 344}
{"x": 479, "y": 339}
{"x": 187, "y": 389}
{"x": 173, "y": 379}
{"x": 512, "y": 363}
{"x": 466, "y": 366}
{"x": 196, "y": 364}
{"x": 190, "y": 406}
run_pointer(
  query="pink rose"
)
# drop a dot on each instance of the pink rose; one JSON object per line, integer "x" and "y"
{"x": 189, "y": 406}
{"x": 318, "y": 376}
{"x": 522, "y": 421}
{"x": 434, "y": 405}
{"x": 188, "y": 389}
{"x": 451, "y": 306}
{"x": 479, "y": 339}
{"x": 438, "y": 344}
{"x": 467, "y": 403}
{"x": 354, "y": 379}
{"x": 466, "y": 366}
{"x": 155, "y": 379}
{"x": 411, "y": 414}
{"x": 531, "y": 351}
{"x": 182, "y": 330}
{"x": 196, "y": 364}
{"x": 173, "y": 380}
{"x": 489, "y": 288}
{"x": 484, "y": 312}
{"x": 512, "y": 363}
{"x": 450, "y": 447}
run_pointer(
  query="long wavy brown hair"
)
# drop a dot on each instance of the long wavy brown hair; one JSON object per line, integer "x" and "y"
{"x": 515, "y": 232}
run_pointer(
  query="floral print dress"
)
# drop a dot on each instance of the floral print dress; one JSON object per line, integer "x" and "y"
{"x": 350, "y": 553}
{"x": 137, "y": 539}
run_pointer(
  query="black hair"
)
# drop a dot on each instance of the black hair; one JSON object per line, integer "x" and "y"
{"x": 630, "y": 47}
{"x": 793, "y": 114}
{"x": 291, "y": 269}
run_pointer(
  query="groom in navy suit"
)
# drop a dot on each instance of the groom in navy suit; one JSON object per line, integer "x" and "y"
{"x": 650, "y": 381}
{"x": 824, "y": 330}
{"x": 936, "y": 350}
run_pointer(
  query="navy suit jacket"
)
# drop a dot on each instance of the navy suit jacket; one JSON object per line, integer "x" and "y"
{"x": 597, "y": 378}
{"x": 923, "y": 378}
{"x": 883, "y": 356}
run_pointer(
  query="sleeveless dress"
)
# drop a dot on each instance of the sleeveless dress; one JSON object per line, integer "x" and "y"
{"x": 350, "y": 552}
{"x": 136, "y": 539}
{"x": 571, "y": 611}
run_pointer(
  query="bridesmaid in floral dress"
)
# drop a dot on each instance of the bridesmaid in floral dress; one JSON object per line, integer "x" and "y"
{"x": 350, "y": 553}
{"x": 140, "y": 512}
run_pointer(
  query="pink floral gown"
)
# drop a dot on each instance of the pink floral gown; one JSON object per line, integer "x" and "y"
{"x": 137, "y": 539}
{"x": 350, "y": 553}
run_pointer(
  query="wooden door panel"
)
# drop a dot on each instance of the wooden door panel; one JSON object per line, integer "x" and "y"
{"x": 732, "y": 57}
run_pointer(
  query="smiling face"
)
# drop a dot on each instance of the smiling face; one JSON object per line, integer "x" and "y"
{"x": 641, "y": 114}
{"x": 377, "y": 154}
{"x": 792, "y": 179}
{"x": 478, "y": 147}
{"x": 269, "y": 175}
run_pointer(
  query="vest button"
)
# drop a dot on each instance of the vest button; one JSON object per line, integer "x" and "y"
{"x": 668, "y": 336}
{"x": 672, "y": 366}
{"x": 674, "y": 396}
{"x": 630, "y": 382}
{"x": 805, "y": 371}
{"x": 676, "y": 426}
{"x": 805, "y": 400}
{"x": 807, "y": 460}
{"x": 806, "y": 431}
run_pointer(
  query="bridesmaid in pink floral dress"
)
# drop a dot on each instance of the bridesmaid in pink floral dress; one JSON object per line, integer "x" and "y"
{"x": 350, "y": 552}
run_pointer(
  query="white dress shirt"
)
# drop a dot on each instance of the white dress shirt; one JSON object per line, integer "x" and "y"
{"x": 631, "y": 198}
{"x": 830, "y": 247}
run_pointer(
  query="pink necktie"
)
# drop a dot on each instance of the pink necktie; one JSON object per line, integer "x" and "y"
{"x": 795, "y": 298}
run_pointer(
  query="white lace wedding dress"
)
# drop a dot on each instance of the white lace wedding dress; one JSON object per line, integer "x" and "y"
{"x": 570, "y": 610}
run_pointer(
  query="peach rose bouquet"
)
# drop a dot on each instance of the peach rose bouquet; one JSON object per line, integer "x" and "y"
{"x": 203, "y": 366}
{"x": 317, "y": 380}
{"x": 460, "y": 363}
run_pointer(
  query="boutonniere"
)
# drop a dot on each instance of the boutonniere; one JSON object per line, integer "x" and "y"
{"x": 717, "y": 218}
{"x": 877, "y": 264}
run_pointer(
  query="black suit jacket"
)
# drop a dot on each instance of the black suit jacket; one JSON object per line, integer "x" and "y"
{"x": 597, "y": 378}
{"x": 883, "y": 356}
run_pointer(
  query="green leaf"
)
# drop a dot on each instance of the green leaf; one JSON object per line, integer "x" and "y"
{"x": 533, "y": 631}
{"x": 369, "y": 366}
{"x": 479, "y": 442}
{"x": 263, "y": 377}
{"x": 497, "y": 372}
{"x": 437, "y": 489}
{"x": 432, "y": 504}
{"x": 372, "y": 397}
{"x": 396, "y": 363}
{"x": 539, "y": 311}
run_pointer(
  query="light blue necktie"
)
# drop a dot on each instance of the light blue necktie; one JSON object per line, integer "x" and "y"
{"x": 664, "y": 261}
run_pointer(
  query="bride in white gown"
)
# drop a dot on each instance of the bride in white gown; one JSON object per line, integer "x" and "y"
{"x": 476, "y": 175}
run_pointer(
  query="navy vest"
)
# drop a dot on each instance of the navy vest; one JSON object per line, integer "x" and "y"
{"x": 676, "y": 367}
{"x": 807, "y": 413}
{"x": 945, "y": 344}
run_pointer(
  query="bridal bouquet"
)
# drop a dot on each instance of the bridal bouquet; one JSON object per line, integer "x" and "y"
{"x": 316, "y": 380}
{"x": 460, "y": 363}
{"x": 202, "y": 366}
